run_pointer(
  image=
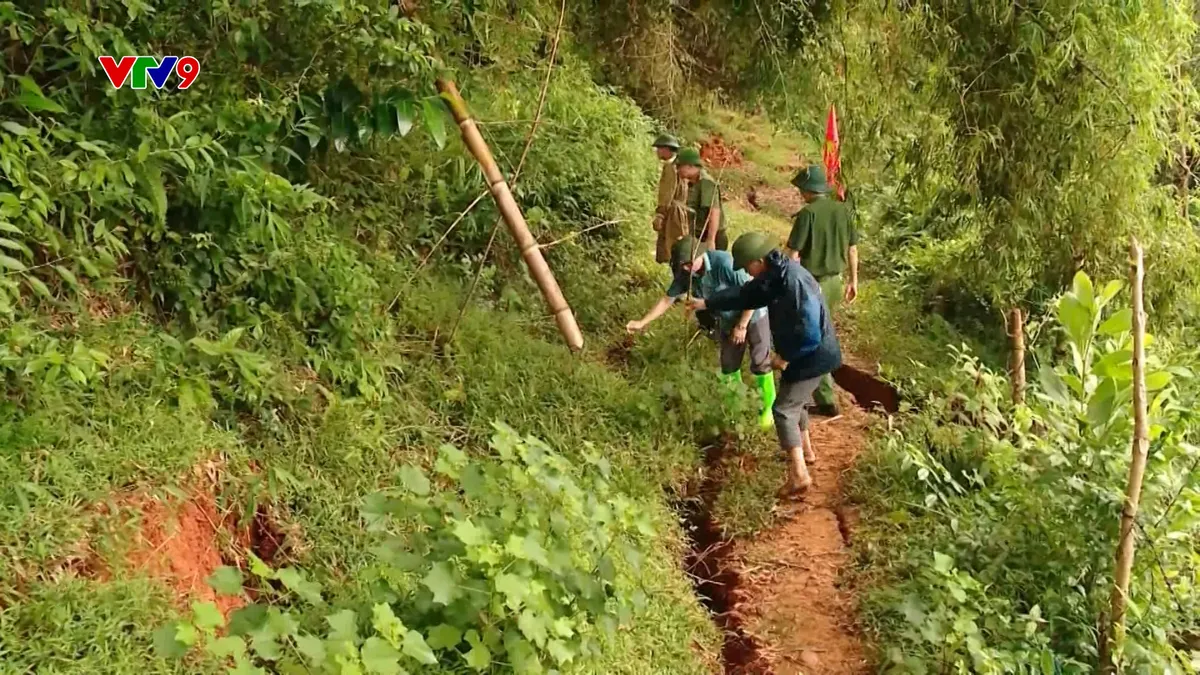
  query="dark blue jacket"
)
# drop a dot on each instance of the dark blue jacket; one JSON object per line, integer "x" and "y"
{"x": 801, "y": 328}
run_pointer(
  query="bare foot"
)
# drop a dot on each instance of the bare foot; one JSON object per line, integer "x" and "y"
{"x": 794, "y": 490}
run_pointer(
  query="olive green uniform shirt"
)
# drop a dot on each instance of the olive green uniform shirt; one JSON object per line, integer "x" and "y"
{"x": 702, "y": 196}
{"x": 823, "y": 233}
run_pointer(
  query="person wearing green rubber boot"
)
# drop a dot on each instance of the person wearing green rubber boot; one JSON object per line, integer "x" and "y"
{"x": 706, "y": 272}
{"x": 803, "y": 334}
{"x": 825, "y": 240}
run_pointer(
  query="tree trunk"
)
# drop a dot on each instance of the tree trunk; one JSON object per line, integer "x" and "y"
{"x": 1111, "y": 647}
{"x": 1016, "y": 359}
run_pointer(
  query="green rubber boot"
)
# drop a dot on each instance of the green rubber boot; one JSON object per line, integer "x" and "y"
{"x": 766, "y": 387}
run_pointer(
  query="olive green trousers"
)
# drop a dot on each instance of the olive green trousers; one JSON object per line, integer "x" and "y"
{"x": 832, "y": 289}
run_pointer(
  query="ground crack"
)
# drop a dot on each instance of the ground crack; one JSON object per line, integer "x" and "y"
{"x": 842, "y": 513}
{"x": 715, "y": 580}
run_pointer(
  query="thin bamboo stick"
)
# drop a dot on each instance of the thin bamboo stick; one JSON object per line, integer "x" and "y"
{"x": 1111, "y": 647}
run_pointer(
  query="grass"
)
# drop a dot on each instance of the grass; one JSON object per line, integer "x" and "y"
{"x": 314, "y": 459}
{"x": 772, "y": 154}
{"x": 887, "y": 325}
{"x": 753, "y": 474}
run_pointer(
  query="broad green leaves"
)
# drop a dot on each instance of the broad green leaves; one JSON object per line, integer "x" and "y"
{"x": 1079, "y": 312}
{"x": 416, "y": 647}
{"x": 414, "y": 480}
{"x": 514, "y": 562}
{"x": 32, "y": 98}
{"x": 349, "y": 117}
{"x": 444, "y": 636}
{"x": 405, "y": 111}
{"x": 1117, "y": 323}
{"x": 441, "y": 582}
{"x": 523, "y": 573}
{"x": 381, "y": 658}
{"x": 14, "y": 128}
{"x": 167, "y": 644}
{"x": 1101, "y": 352}
{"x": 343, "y": 626}
{"x": 226, "y": 580}
{"x": 435, "y": 119}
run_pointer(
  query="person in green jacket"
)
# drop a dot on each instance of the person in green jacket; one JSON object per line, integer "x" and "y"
{"x": 703, "y": 200}
{"x": 825, "y": 240}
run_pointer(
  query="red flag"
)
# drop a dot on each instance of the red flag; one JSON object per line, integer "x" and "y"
{"x": 833, "y": 161}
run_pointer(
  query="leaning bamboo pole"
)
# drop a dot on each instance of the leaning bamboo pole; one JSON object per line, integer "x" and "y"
{"x": 502, "y": 194}
{"x": 511, "y": 212}
{"x": 1111, "y": 644}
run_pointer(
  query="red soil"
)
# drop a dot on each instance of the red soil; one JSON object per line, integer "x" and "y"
{"x": 718, "y": 155}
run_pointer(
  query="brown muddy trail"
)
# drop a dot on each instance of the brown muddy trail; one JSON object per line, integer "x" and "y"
{"x": 780, "y": 597}
{"x": 795, "y": 599}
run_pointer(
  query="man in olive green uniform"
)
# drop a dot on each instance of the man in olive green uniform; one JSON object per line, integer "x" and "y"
{"x": 668, "y": 223}
{"x": 825, "y": 240}
{"x": 703, "y": 200}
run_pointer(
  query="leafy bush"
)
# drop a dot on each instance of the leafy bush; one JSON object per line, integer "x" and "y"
{"x": 525, "y": 567}
{"x": 1008, "y": 515}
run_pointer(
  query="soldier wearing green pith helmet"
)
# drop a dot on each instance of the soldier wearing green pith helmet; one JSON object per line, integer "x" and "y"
{"x": 825, "y": 240}
{"x": 670, "y": 221}
{"x": 703, "y": 200}
{"x": 801, "y": 332}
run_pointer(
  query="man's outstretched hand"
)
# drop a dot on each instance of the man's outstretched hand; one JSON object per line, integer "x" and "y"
{"x": 697, "y": 305}
{"x": 635, "y": 327}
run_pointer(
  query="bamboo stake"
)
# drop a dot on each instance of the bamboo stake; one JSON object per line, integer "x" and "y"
{"x": 511, "y": 213}
{"x": 1111, "y": 652}
{"x": 1016, "y": 363}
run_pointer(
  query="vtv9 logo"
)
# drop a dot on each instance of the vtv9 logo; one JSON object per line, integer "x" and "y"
{"x": 139, "y": 71}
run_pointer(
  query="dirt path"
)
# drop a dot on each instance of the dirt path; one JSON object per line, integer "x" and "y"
{"x": 792, "y": 599}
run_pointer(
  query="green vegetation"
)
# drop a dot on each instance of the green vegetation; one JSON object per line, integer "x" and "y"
{"x": 252, "y": 306}
{"x": 526, "y": 566}
{"x": 993, "y": 526}
{"x": 225, "y": 281}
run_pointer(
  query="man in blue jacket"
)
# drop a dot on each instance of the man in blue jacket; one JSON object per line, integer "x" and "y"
{"x": 705, "y": 272}
{"x": 803, "y": 334}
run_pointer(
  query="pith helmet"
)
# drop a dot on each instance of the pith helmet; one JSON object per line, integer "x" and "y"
{"x": 749, "y": 247}
{"x": 812, "y": 179}
{"x": 666, "y": 141}
{"x": 689, "y": 157}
